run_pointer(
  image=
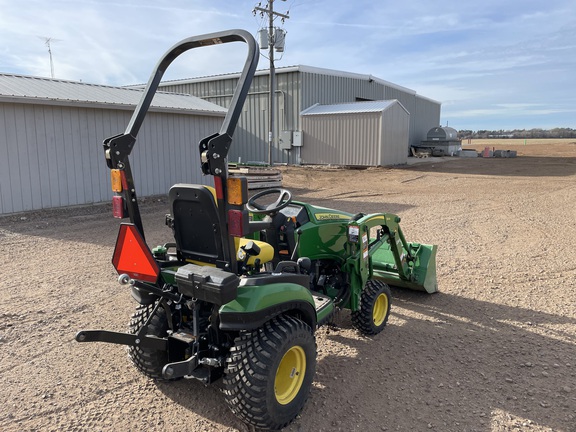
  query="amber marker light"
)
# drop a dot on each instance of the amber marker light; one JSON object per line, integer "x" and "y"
{"x": 116, "y": 180}
{"x": 235, "y": 191}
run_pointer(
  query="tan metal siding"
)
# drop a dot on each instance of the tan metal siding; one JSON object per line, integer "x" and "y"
{"x": 52, "y": 156}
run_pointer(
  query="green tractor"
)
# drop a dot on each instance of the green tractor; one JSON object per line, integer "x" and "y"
{"x": 240, "y": 291}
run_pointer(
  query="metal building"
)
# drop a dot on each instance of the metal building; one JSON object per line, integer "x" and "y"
{"x": 298, "y": 88}
{"x": 357, "y": 133}
{"x": 51, "y": 134}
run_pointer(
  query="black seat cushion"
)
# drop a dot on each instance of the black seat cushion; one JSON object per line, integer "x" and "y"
{"x": 196, "y": 223}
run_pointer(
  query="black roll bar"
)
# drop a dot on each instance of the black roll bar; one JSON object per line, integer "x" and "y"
{"x": 239, "y": 97}
{"x": 213, "y": 149}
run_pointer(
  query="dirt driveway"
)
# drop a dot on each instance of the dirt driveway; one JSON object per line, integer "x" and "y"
{"x": 494, "y": 351}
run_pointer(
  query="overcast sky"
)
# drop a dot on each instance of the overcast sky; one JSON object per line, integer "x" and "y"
{"x": 494, "y": 64}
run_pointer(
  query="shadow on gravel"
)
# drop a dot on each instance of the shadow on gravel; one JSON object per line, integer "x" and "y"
{"x": 204, "y": 401}
{"x": 453, "y": 364}
{"x": 522, "y": 166}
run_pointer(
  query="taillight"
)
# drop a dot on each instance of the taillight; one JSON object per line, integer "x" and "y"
{"x": 119, "y": 184}
{"x": 118, "y": 207}
{"x": 133, "y": 257}
{"x": 238, "y": 223}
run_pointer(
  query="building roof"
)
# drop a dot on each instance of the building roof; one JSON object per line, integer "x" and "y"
{"x": 351, "y": 107}
{"x": 46, "y": 91}
{"x": 298, "y": 68}
{"x": 287, "y": 69}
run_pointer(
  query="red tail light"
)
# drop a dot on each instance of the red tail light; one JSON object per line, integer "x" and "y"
{"x": 133, "y": 257}
{"x": 237, "y": 223}
{"x": 118, "y": 207}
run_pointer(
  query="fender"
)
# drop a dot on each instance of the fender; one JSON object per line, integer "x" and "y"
{"x": 261, "y": 298}
{"x": 143, "y": 297}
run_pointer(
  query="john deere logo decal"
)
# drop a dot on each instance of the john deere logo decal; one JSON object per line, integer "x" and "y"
{"x": 330, "y": 216}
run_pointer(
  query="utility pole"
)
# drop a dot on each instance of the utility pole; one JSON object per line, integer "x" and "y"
{"x": 269, "y": 10}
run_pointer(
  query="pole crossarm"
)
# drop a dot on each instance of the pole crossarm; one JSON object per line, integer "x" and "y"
{"x": 268, "y": 11}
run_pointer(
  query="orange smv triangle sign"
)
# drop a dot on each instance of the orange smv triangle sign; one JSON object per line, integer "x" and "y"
{"x": 132, "y": 256}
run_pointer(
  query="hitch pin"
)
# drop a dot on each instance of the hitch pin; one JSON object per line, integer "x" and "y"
{"x": 124, "y": 279}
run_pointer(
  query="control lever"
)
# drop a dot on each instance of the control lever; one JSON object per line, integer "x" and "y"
{"x": 299, "y": 233}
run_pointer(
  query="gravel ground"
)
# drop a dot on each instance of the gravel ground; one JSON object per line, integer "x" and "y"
{"x": 495, "y": 350}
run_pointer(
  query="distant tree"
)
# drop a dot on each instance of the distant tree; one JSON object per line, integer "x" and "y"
{"x": 518, "y": 133}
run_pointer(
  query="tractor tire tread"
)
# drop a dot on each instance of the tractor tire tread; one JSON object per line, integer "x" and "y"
{"x": 149, "y": 362}
{"x": 246, "y": 381}
{"x": 362, "y": 319}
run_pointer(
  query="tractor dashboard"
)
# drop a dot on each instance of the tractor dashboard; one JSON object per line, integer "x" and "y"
{"x": 296, "y": 212}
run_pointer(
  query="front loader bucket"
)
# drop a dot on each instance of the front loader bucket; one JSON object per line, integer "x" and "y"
{"x": 421, "y": 277}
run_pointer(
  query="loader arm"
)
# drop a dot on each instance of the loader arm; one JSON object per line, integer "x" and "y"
{"x": 387, "y": 256}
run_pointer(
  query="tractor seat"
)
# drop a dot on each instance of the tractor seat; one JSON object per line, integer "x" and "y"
{"x": 196, "y": 225}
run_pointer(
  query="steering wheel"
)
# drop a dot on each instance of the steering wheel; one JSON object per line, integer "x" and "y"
{"x": 284, "y": 198}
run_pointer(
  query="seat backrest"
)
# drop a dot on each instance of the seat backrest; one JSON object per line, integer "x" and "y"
{"x": 196, "y": 223}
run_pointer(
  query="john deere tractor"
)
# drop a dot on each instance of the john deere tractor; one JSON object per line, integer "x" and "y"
{"x": 240, "y": 290}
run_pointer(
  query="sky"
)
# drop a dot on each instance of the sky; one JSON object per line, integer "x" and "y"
{"x": 494, "y": 64}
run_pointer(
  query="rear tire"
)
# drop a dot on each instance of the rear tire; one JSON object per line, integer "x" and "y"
{"x": 149, "y": 361}
{"x": 374, "y": 310}
{"x": 270, "y": 371}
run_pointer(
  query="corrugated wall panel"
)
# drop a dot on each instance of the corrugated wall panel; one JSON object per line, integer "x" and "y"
{"x": 428, "y": 113}
{"x": 350, "y": 139}
{"x": 395, "y": 132}
{"x": 251, "y": 136}
{"x": 408, "y": 100}
{"x": 52, "y": 156}
{"x": 298, "y": 91}
{"x": 326, "y": 89}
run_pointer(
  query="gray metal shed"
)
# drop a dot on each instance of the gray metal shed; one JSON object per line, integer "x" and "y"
{"x": 51, "y": 134}
{"x": 371, "y": 133}
{"x": 298, "y": 88}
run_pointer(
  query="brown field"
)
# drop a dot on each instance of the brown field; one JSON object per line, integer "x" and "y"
{"x": 494, "y": 351}
{"x": 516, "y": 143}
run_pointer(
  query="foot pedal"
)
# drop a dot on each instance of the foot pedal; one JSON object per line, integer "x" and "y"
{"x": 321, "y": 301}
{"x": 324, "y": 308}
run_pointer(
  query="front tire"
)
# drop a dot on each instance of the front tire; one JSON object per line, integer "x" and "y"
{"x": 149, "y": 361}
{"x": 270, "y": 371}
{"x": 374, "y": 310}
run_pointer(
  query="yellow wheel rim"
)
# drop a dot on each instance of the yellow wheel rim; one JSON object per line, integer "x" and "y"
{"x": 380, "y": 309}
{"x": 290, "y": 375}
